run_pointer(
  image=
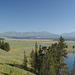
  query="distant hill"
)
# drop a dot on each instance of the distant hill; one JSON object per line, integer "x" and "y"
{"x": 37, "y": 35}
{"x": 71, "y": 34}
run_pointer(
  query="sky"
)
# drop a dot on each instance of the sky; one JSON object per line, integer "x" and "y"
{"x": 55, "y": 16}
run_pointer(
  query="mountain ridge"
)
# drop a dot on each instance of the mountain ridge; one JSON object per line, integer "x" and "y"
{"x": 42, "y": 34}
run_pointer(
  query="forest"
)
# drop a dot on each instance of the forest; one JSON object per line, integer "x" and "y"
{"x": 50, "y": 60}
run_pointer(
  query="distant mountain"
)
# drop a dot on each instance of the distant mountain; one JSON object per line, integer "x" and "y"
{"x": 37, "y": 35}
{"x": 72, "y": 34}
{"x": 42, "y": 34}
{"x": 69, "y": 36}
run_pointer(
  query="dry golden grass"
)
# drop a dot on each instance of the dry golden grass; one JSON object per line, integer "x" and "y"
{"x": 26, "y": 40}
{"x": 70, "y": 42}
{"x": 14, "y": 49}
{"x": 70, "y": 50}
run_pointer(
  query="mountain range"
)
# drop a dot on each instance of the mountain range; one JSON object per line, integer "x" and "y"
{"x": 42, "y": 34}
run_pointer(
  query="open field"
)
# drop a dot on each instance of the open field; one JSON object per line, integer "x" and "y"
{"x": 15, "y": 56}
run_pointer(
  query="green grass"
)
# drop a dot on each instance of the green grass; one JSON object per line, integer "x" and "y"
{"x": 7, "y": 69}
{"x": 16, "y": 55}
{"x": 70, "y": 46}
{"x": 13, "y": 57}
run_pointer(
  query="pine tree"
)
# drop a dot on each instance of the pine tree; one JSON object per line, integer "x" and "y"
{"x": 36, "y": 57}
{"x": 0, "y": 43}
{"x": 6, "y": 47}
{"x": 73, "y": 46}
{"x": 32, "y": 58}
{"x": 43, "y": 69}
{"x": 40, "y": 50}
{"x": 51, "y": 60}
{"x": 25, "y": 61}
{"x": 40, "y": 58}
{"x": 66, "y": 46}
{"x": 61, "y": 53}
{"x": 73, "y": 71}
{"x": 52, "y": 67}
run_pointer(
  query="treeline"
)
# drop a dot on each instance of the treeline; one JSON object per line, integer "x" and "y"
{"x": 4, "y": 45}
{"x": 50, "y": 60}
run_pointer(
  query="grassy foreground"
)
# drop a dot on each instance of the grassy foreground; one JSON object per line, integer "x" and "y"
{"x": 10, "y": 63}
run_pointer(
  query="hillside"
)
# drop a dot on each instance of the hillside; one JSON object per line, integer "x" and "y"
{"x": 10, "y": 63}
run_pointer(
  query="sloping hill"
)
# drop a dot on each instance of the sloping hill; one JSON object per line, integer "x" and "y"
{"x": 10, "y": 63}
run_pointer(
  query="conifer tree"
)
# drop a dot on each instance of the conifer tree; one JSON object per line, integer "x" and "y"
{"x": 43, "y": 69}
{"x": 40, "y": 58}
{"x": 61, "y": 53}
{"x": 66, "y": 46}
{"x": 51, "y": 61}
{"x": 40, "y": 50}
{"x": 36, "y": 57}
{"x": 73, "y": 71}
{"x": 6, "y": 47}
{"x": 52, "y": 67}
{"x": 73, "y": 46}
{"x": 0, "y": 43}
{"x": 32, "y": 58}
{"x": 25, "y": 61}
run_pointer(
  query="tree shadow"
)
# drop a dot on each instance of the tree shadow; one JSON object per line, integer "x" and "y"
{"x": 24, "y": 68}
{"x": 5, "y": 73}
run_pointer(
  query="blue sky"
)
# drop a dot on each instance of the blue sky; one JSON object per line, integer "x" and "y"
{"x": 55, "y": 16}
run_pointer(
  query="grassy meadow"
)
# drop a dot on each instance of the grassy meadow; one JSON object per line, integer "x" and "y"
{"x": 10, "y": 62}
